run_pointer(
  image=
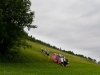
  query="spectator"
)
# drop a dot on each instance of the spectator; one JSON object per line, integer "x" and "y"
{"x": 48, "y": 53}
{"x": 62, "y": 60}
{"x": 66, "y": 62}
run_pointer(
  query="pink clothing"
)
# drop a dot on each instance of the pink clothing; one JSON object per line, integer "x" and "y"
{"x": 54, "y": 58}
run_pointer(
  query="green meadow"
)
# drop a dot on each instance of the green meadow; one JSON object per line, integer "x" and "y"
{"x": 31, "y": 61}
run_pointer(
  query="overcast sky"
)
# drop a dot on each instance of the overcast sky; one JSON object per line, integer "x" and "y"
{"x": 70, "y": 24}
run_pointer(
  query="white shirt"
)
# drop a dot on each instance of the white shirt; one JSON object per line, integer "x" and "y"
{"x": 62, "y": 59}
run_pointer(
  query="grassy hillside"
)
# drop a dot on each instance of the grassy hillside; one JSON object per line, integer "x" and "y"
{"x": 36, "y": 63}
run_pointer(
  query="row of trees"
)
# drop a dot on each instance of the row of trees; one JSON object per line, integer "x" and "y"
{"x": 15, "y": 15}
{"x": 33, "y": 39}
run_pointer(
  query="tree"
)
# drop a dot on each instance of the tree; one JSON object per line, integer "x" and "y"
{"x": 15, "y": 15}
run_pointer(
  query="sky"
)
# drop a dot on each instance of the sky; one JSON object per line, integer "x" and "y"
{"x": 70, "y": 24}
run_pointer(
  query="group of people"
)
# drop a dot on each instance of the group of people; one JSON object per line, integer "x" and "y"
{"x": 46, "y": 52}
{"x": 60, "y": 59}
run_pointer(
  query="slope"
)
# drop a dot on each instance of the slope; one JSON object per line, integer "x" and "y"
{"x": 36, "y": 63}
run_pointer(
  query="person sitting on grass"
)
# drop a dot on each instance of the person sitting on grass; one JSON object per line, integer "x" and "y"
{"x": 62, "y": 60}
{"x": 42, "y": 50}
{"x": 48, "y": 53}
{"x": 66, "y": 62}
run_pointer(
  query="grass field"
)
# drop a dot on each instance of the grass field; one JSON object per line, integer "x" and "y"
{"x": 36, "y": 63}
